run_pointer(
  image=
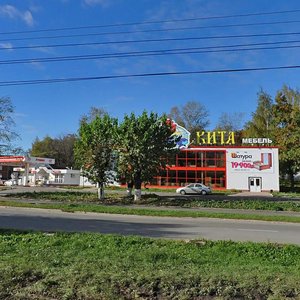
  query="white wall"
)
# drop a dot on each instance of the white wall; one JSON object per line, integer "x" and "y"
{"x": 242, "y": 163}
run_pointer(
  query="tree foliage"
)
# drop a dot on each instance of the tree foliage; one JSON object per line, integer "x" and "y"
{"x": 92, "y": 114}
{"x": 230, "y": 122}
{"x": 94, "y": 149}
{"x": 61, "y": 149}
{"x": 7, "y": 133}
{"x": 261, "y": 124}
{"x": 286, "y": 112}
{"x": 193, "y": 116}
{"x": 143, "y": 141}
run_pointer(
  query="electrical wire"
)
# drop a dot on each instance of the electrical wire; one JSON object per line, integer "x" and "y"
{"x": 151, "y": 30}
{"x": 74, "y": 79}
{"x": 154, "y": 22}
{"x": 177, "y": 51}
{"x": 150, "y": 40}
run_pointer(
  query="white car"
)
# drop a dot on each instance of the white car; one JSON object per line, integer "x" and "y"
{"x": 194, "y": 188}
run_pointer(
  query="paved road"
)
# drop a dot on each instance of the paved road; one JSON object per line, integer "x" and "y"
{"x": 158, "y": 227}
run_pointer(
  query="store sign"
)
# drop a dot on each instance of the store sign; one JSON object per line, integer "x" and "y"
{"x": 250, "y": 160}
{"x": 184, "y": 135}
{"x": 215, "y": 138}
{"x": 40, "y": 160}
{"x": 256, "y": 141}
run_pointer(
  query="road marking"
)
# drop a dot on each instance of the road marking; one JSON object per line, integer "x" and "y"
{"x": 259, "y": 230}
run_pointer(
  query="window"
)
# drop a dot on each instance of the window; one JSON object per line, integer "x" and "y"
{"x": 201, "y": 166}
{"x": 58, "y": 178}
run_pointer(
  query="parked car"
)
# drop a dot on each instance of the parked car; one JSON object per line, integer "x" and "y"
{"x": 194, "y": 188}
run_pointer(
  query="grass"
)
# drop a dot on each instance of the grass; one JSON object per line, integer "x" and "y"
{"x": 94, "y": 266}
{"x": 154, "y": 200}
{"x": 112, "y": 209}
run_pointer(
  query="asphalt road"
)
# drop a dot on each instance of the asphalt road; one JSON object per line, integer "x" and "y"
{"x": 157, "y": 227}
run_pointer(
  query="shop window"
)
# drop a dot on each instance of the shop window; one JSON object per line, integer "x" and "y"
{"x": 191, "y": 176}
{"x": 181, "y": 174}
{"x": 200, "y": 176}
{"x": 181, "y": 163}
{"x": 182, "y": 155}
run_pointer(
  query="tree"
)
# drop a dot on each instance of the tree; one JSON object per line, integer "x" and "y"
{"x": 193, "y": 116}
{"x": 261, "y": 124}
{"x": 230, "y": 122}
{"x": 61, "y": 149}
{"x": 93, "y": 113}
{"x": 145, "y": 146}
{"x": 286, "y": 113}
{"x": 94, "y": 149}
{"x": 7, "y": 134}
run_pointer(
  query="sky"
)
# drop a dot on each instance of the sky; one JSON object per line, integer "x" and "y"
{"x": 32, "y": 29}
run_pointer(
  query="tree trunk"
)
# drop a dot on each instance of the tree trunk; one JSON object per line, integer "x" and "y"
{"x": 292, "y": 180}
{"x": 137, "y": 195}
{"x": 138, "y": 187}
{"x": 100, "y": 191}
{"x": 129, "y": 188}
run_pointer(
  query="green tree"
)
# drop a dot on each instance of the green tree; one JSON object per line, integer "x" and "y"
{"x": 94, "y": 149}
{"x": 145, "y": 146}
{"x": 43, "y": 148}
{"x": 7, "y": 133}
{"x": 193, "y": 116}
{"x": 61, "y": 149}
{"x": 286, "y": 113}
{"x": 261, "y": 124}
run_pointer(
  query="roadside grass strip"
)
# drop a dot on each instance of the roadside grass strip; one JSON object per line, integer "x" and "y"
{"x": 156, "y": 201}
{"x": 94, "y": 266}
{"x": 111, "y": 209}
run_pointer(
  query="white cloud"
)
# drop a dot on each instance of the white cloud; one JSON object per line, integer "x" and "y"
{"x": 13, "y": 13}
{"x": 7, "y": 46}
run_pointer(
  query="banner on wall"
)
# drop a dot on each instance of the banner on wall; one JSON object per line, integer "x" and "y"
{"x": 250, "y": 161}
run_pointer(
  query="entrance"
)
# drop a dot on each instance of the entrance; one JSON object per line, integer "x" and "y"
{"x": 255, "y": 184}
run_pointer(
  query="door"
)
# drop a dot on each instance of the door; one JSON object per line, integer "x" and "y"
{"x": 255, "y": 184}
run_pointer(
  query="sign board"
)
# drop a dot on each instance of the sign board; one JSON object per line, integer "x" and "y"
{"x": 252, "y": 141}
{"x": 22, "y": 160}
{"x": 250, "y": 160}
{"x": 184, "y": 135}
{"x": 215, "y": 137}
{"x": 40, "y": 160}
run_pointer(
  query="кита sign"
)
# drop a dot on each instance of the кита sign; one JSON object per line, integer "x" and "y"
{"x": 215, "y": 138}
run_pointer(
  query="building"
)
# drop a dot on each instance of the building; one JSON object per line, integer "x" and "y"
{"x": 252, "y": 168}
{"x": 216, "y": 161}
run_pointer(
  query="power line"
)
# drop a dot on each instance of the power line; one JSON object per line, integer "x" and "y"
{"x": 154, "y": 22}
{"x": 151, "y": 40}
{"x": 150, "y": 30}
{"x": 177, "y": 51}
{"x": 74, "y": 79}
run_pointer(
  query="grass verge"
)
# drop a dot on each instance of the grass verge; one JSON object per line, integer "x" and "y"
{"x": 110, "y": 209}
{"x": 94, "y": 266}
{"x": 212, "y": 201}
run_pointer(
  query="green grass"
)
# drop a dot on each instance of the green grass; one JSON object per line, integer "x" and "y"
{"x": 154, "y": 200}
{"x": 112, "y": 209}
{"x": 94, "y": 266}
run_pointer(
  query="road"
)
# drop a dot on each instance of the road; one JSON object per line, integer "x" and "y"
{"x": 157, "y": 227}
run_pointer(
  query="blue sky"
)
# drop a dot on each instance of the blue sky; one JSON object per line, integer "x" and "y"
{"x": 55, "y": 109}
